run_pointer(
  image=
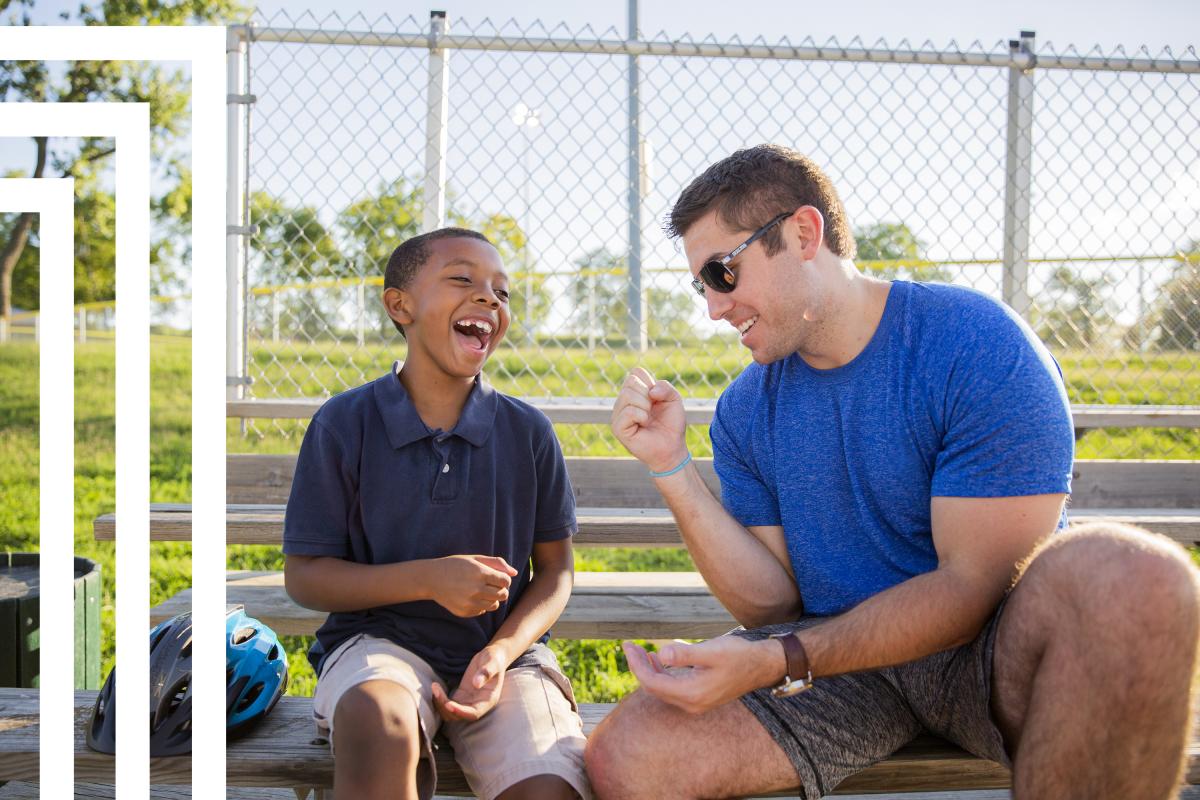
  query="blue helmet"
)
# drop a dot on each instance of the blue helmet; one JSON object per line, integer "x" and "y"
{"x": 256, "y": 671}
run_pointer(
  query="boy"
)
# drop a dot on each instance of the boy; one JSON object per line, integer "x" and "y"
{"x": 418, "y": 502}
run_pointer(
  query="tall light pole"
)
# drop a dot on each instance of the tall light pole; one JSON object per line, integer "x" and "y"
{"x": 526, "y": 118}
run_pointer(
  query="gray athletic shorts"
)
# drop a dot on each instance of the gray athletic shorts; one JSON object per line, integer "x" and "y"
{"x": 845, "y": 723}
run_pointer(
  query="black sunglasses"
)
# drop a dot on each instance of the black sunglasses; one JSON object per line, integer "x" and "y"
{"x": 717, "y": 275}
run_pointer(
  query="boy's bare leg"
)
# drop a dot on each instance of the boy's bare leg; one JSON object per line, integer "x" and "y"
{"x": 376, "y": 743}
{"x": 647, "y": 748}
{"x": 1095, "y": 658}
{"x": 539, "y": 787}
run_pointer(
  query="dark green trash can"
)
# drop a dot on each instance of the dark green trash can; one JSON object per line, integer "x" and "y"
{"x": 20, "y": 621}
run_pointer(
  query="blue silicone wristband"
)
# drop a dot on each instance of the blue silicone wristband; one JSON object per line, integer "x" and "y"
{"x": 682, "y": 464}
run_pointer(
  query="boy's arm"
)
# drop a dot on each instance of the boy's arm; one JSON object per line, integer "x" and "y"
{"x": 539, "y": 607}
{"x": 466, "y": 586}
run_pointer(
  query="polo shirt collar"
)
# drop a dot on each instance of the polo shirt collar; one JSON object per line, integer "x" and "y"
{"x": 404, "y": 425}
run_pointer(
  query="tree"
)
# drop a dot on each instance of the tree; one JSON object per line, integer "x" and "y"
{"x": 95, "y": 249}
{"x": 371, "y": 228}
{"x": 95, "y": 81}
{"x": 599, "y": 295}
{"x": 1178, "y": 316}
{"x": 292, "y": 246}
{"x": 884, "y": 242}
{"x": 1081, "y": 312}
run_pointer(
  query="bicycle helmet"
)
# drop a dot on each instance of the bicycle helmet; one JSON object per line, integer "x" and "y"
{"x": 170, "y": 694}
{"x": 255, "y": 678}
{"x": 256, "y": 671}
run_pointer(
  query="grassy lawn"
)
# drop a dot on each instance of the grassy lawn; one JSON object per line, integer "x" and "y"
{"x": 596, "y": 668}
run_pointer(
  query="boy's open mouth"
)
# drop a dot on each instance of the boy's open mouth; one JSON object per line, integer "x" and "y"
{"x": 476, "y": 333}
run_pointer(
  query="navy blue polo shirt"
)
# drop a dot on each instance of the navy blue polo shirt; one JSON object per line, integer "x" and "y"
{"x": 375, "y": 485}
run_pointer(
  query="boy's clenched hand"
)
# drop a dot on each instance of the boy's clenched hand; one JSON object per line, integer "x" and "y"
{"x": 479, "y": 690}
{"x": 468, "y": 586}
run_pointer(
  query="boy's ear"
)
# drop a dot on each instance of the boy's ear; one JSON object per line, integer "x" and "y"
{"x": 396, "y": 302}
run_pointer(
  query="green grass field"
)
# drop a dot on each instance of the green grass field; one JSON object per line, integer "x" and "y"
{"x": 596, "y": 668}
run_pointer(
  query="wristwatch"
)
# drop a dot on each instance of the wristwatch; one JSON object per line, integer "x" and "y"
{"x": 799, "y": 676}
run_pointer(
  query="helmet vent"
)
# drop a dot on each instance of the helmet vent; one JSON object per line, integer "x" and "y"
{"x": 273, "y": 653}
{"x": 251, "y": 695}
{"x": 243, "y": 635}
{"x": 158, "y": 636}
{"x": 181, "y": 690}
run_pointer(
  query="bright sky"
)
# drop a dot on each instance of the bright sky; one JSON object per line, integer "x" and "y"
{"x": 1058, "y": 24}
{"x": 1084, "y": 23}
{"x": 1081, "y": 22}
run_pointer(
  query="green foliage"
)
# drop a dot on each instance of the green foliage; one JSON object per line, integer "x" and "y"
{"x": 1080, "y": 314}
{"x": 95, "y": 248}
{"x": 884, "y": 242}
{"x": 374, "y": 226}
{"x": 1178, "y": 315}
{"x": 599, "y": 294}
{"x": 165, "y": 90}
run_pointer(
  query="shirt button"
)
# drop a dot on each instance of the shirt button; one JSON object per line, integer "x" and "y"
{"x": 445, "y": 468}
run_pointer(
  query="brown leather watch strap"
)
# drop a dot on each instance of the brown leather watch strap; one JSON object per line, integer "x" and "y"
{"x": 797, "y": 657}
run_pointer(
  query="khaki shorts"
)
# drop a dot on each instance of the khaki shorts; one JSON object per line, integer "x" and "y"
{"x": 534, "y": 729}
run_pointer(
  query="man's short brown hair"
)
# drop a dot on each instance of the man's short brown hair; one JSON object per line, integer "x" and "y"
{"x": 753, "y": 185}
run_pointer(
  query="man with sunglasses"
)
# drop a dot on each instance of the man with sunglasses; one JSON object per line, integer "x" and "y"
{"x": 890, "y": 532}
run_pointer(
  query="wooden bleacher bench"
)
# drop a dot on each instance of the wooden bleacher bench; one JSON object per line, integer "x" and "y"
{"x": 617, "y": 506}
{"x": 281, "y": 752}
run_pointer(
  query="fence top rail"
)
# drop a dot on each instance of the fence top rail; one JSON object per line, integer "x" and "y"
{"x": 1118, "y": 61}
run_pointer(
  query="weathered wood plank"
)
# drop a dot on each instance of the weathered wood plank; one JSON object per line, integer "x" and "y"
{"x": 283, "y": 752}
{"x": 597, "y": 410}
{"x": 1112, "y": 483}
{"x": 604, "y": 605}
{"x": 598, "y": 527}
{"x": 623, "y": 482}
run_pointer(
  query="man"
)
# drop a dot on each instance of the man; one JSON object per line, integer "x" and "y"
{"x": 893, "y": 468}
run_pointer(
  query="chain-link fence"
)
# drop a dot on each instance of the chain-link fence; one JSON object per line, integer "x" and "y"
{"x": 1066, "y": 183}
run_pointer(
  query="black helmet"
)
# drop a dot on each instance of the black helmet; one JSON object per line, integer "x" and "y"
{"x": 170, "y": 694}
{"x": 255, "y": 677}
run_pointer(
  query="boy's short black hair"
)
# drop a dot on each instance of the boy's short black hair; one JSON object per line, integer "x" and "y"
{"x": 412, "y": 254}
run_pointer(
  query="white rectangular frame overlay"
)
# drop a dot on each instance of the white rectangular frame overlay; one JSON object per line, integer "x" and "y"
{"x": 54, "y": 201}
{"x": 204, "y": 48}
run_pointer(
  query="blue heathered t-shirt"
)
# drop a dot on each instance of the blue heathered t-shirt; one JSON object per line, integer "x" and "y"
{"x": 953, "y": 396}
{"x": 375, "y": 485}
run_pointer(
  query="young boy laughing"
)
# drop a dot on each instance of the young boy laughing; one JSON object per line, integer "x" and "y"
{"x": 419, "y": 501}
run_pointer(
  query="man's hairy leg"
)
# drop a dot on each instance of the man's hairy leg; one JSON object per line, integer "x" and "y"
{"x": 376, "y": 743}
{"x": 1094, "y": 664}
{"x": 647, "y": 748}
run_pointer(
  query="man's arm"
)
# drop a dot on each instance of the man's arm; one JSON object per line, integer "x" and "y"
{"x": 980, "y": 542}
{"x": 748, "y": 570}
{"x": 540, "y": 606}
{"x": 466, "y": 586}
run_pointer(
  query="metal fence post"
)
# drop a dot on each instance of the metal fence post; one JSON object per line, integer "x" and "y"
{"x": 637, "y": 322}
{"x": 82, "y": 325}
{"x": 1018, "y": 169}
{"x": 235, "y": 175}
{"x": 438, "y": 110}
{"x": 3, "y": 330}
